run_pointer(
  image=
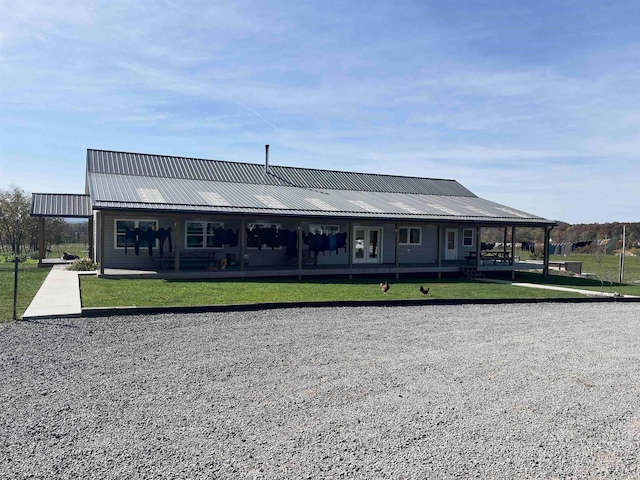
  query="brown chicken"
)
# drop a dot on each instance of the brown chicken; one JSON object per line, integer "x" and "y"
{"x": 384, "y": 286}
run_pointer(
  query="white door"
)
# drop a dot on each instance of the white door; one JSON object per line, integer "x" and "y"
{"x": 367, "y": 245}
{"x": 451, "y": 244}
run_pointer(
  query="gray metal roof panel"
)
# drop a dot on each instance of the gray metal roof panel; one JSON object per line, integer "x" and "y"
{"x": 145, "y": 165}
{"x": 155, "y": 193}
{"x": 60, "y": 205}
{"x": 297, "y": 213}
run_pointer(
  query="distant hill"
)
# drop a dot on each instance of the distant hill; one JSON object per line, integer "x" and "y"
{"x": 565, "y": 232}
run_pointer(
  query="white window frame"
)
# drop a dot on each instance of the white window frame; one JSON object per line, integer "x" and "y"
{"x": 136, "y": 223}
{"x": 256, "y": 225}
{"x": 205, "y": 224}
{"x": 471, "y": 237}
{"x": 409, "y": 242}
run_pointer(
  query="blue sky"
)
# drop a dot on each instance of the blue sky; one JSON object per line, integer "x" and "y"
{"x": 534, "y": 105}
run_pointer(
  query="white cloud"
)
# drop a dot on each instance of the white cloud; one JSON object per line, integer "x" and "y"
{"x": 397, "y": 91}
{"x": 39, "y": 18}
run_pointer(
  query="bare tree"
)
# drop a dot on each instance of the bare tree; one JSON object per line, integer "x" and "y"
{"x": 16, "y": 226}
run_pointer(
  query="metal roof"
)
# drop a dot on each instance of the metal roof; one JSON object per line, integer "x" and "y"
{"x": 111, "y": 191}
{"x": 133, "y": 181}
{"x": 144, "y": 165}
{"x": 60, "y": 205}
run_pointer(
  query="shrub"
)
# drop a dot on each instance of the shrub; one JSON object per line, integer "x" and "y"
{"x": 83, "y": 265}
{"x": 11, "y": 258}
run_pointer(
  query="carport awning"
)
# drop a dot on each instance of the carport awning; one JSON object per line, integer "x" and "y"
{"x": 66, "y": 205}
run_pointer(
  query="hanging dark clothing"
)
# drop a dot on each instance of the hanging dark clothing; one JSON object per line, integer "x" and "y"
{"x": 163, "y": 235}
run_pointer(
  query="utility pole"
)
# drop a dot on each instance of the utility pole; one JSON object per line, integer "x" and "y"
{"x": 624, "y": 237}
{"x": 15, "y": 287}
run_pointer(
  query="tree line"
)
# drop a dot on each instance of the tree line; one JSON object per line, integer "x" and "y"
{"x": 19, "y": 231}
{"x": 565, "y": 232}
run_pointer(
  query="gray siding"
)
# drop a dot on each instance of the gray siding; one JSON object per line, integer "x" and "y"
{"x": 426, "y": 252}
{"x": 388, "y": 243}
{"x": 117, "y": 258}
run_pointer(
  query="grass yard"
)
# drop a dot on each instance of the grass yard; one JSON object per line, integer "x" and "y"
{"x": 30, "y": 277}
{"x": 605, "y": 269}
{"x": 98, "y": 292}
{"x": 105, "y": 293}
{"x": 79, "y": 249}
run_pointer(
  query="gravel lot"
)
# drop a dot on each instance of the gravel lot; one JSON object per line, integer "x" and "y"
{"x": 481, "y": 391}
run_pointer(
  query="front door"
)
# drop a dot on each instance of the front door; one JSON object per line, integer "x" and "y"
{"x": 367, "y": 246}
{"x": 451, "y": 244}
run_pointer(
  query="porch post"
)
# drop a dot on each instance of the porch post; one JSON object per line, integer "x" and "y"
{"x": 478, "y": 246}
{"x": 243, "y": 243}
{"x": 513, "y": 251}
{"x": 396, "y": 250}
{"x": 439, "y": 250}
{"x": 350, "y": 249}
{"x": 101, "y": 240}
{"x": 41, "y": 252}
{"x": 545, "y": 254}
{"x": 504, "y": 244}
{"x": 91, "y": 239}
{"x": 299, "y": 248}
{"x": 176, "y": 249}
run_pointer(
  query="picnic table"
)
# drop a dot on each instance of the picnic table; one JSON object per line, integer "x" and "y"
{"x": 496, "y": 256}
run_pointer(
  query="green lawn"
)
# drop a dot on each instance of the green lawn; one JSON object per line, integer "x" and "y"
{"x": 606, "y": 267}
{"x": 606, "y": 271}
{"x": 30, "y": 277}
{"x": 104, "y": 293}
{"x": 98, "y": 292}
{"x": 79, "y": 249}
{"x": 136, "y": 292}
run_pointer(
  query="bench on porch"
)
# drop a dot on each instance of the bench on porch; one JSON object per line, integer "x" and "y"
{"x": 189, "y": 260}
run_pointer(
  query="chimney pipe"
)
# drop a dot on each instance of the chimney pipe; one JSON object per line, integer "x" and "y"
{"x": 266, "y": 159}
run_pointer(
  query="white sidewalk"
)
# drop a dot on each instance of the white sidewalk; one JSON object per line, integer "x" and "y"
{"x": 59, "y": 295}
{"x": 591, "y": 293}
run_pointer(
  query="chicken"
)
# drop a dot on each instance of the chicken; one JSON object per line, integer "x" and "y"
{"x": 384, "y": 286}
{"x": 426, "y": 292}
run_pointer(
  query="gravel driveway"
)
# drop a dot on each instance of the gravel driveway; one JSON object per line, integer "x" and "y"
{"x": 488, "y": 391}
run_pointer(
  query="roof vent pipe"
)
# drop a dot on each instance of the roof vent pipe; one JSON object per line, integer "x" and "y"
{"x": 266, "y": 159}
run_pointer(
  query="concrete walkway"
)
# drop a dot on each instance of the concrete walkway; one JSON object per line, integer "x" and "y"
{"x": 59, "y": 295}
{"x": 592, "y": 293}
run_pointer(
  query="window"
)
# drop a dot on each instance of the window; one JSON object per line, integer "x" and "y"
{"x": 467, "y": 237}
{"x": 121, "y": 240}
{"x": 410, "y": 235}
{"x": 323, "y": 229}
{"x": 201, "y": 234}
